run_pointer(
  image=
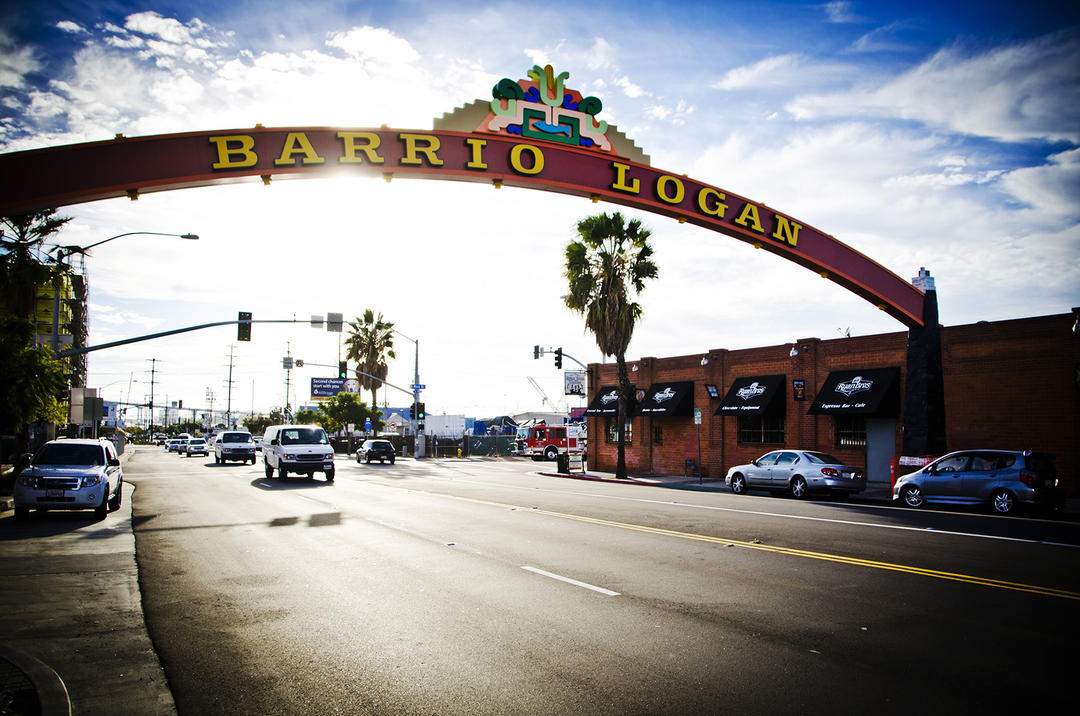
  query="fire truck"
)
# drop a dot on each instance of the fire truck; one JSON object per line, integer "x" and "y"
{"x": 545, "y": 442}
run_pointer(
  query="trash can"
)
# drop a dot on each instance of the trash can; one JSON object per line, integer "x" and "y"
{"x": 562, "y": 461}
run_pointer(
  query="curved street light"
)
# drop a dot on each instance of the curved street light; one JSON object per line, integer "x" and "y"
{"x": 64, "y": 251}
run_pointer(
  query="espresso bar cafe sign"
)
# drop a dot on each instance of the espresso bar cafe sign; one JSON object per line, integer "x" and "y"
{"x": 533, "y": 133}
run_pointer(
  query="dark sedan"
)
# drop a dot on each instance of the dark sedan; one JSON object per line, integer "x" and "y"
{"x": 381, "y": 450}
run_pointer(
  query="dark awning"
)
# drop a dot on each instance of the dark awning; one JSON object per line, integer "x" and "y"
{"x": 871, "y": 391}
{"x": 675, "y": 399}
{"x": 606, "y": 402}
{"x": 753, "y": 395}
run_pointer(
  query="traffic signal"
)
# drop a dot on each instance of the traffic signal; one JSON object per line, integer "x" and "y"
{"x": 536, "y": 352}
{"x": 420, "y": 411}
{"x": 243, "y": 326}
{"x": 412, "y": 412}
{"x": 558, "y": 357}
{"x": 343, "y": 369}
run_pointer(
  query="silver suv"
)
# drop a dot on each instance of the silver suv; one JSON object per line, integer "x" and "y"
{"x": 1003, "y": 479}
{"x": 71, "y": 475}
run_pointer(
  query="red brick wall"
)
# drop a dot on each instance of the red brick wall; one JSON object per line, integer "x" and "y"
{"x": 1008, "y": 384}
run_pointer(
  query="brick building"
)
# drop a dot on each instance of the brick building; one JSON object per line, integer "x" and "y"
{"x": 1008, "y": 384}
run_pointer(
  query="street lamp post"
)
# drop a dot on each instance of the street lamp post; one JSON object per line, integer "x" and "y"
{"x": 418, "y": 447}
{"x": 63, "y": 252}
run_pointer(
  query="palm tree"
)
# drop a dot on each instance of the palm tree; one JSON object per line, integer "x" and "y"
{"x": 371, "y": 343}
{"x": 606, "y": 267}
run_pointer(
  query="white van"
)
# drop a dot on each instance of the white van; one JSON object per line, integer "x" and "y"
{"x": 302, "y": 449}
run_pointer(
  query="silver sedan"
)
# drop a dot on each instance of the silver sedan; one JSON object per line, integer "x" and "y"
{"x": 798, "y": 473}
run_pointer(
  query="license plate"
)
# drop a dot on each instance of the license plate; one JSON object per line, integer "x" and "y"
{"x": 54, "y": 493}
{"x": 328, "y": 465}
{"x": 848, "y": 475}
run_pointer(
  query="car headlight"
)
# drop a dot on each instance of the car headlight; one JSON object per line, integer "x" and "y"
{"x": 288, "y": 456}
{"x": 91, "y": 481}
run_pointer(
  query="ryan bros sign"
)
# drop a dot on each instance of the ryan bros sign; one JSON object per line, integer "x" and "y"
{"x": 533, "y": 133}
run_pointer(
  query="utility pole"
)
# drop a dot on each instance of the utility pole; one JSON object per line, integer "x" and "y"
{"x": 150, "y": 421}
{"x": 229, "y": 383}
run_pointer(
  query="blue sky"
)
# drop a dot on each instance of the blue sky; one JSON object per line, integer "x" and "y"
{"x": 944, "y": 135}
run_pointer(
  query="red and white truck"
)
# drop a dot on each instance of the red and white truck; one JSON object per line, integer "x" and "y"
{"x": 545, "y": 442}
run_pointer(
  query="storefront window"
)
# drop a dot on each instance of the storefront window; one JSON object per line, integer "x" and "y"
{"x": 613, "y": 434}
{"x": 850, "y": 431}
{"x": 761, "y": 429}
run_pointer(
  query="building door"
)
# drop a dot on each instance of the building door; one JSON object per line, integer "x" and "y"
{"x": 880, "y": 448}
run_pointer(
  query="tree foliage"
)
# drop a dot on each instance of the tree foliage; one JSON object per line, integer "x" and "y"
{"x": 33, "y": 386}
{"x": 257, "y": 424}
{"x": 344, "y": 408}
{"x": 306, "y": 417}
{"x": 370, "y": 343}
{"x": 606, "y": 268}
{"x": 23, "y": 266}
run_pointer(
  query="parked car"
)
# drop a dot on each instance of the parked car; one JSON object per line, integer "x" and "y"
{"x": 1003, "y": 479}
{"x": 196, "y": 446}
{"x": 381, "y": 450}
{"x": 172, "y": 445}
{"x": 70, "y": 475}
{"x": 303, "y": 449}
{"x": 234, "y": 445}
{"x": 181, "y": 445}
{"x": 798, "y": 473}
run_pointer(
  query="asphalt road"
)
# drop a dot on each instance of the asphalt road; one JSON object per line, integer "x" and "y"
{"x": 481, "y": 587}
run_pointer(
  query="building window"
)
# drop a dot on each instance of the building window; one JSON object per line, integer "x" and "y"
{"x": 850, "y": 431}
{"x": 761, "y": 429}
{"x": 657, "y": 435}
{"x": 612, "y": 432}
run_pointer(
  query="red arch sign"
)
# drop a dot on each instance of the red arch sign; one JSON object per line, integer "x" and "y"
{"x": 566, "y": 154}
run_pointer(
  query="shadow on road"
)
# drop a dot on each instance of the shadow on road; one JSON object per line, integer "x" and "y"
{"x": 292, "y": 483}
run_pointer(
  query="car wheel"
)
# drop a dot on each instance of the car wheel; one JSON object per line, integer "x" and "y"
{"x": 102, "y": 510}
{"x": 22, "y": 513}
{"x": 282, "y": 473}
{"x": 118, "y": 498}
{"x": 269, "y": 470}
{"x": 1003, "y": 502}
{"x": 369, "y": 459}
{"x": 798, "y": 487}
{"x": 912, "y": 496}
{"x": 357, "y": 458}
{"x": 551, "y": 454}
{"x": 391, "y": 461}
{"x": 738, "y": 484}
{"x": 329, "y": 475}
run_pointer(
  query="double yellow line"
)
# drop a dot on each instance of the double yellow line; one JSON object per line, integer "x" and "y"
{"x": 855, "y": 561}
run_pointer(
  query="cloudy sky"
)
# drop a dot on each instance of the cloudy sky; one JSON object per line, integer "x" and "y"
{"x": 936, "y": 134}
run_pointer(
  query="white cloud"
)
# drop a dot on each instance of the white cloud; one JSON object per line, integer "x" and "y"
{"x": 1022, "y": 91}
{"x": 168, "y": 29}
{"x": 71, "y": 27}
{"x": 631, "y": 90}
{"x": 374, "y": 44}
{"x": 775, "y": 70}
{"x": 840, "y": 11}
{"x": 15, "y": 62}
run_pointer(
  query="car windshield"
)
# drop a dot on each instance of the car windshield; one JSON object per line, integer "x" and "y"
{"x": 197, "y": 441}
{"x": 822, "y": 458}
{"x": 304, "y": 436}
{"x": 236, "y": 438}
{"x": 58, "y": 454}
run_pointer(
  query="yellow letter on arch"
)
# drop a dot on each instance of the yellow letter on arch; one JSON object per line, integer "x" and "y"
{"x": 297, "y": 143}
{"x": 537, "y": 159}
{"x": 246, "y": 158}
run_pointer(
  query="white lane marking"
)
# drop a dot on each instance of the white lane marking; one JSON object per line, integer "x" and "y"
{"x": 923, "y": 530}
{"x": 570, "y": 581}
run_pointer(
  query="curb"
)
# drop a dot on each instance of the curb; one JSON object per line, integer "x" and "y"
{"x": 52, "y": 695}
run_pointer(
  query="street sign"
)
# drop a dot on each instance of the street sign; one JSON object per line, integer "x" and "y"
{"x": 697, "y": 416}
{"x": 367, "y": 425}
{"x": 417, "y": 386}
{"x": 299, "y": 362}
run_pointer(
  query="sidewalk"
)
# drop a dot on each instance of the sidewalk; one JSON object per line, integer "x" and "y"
{"x": 72, "y": 629}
